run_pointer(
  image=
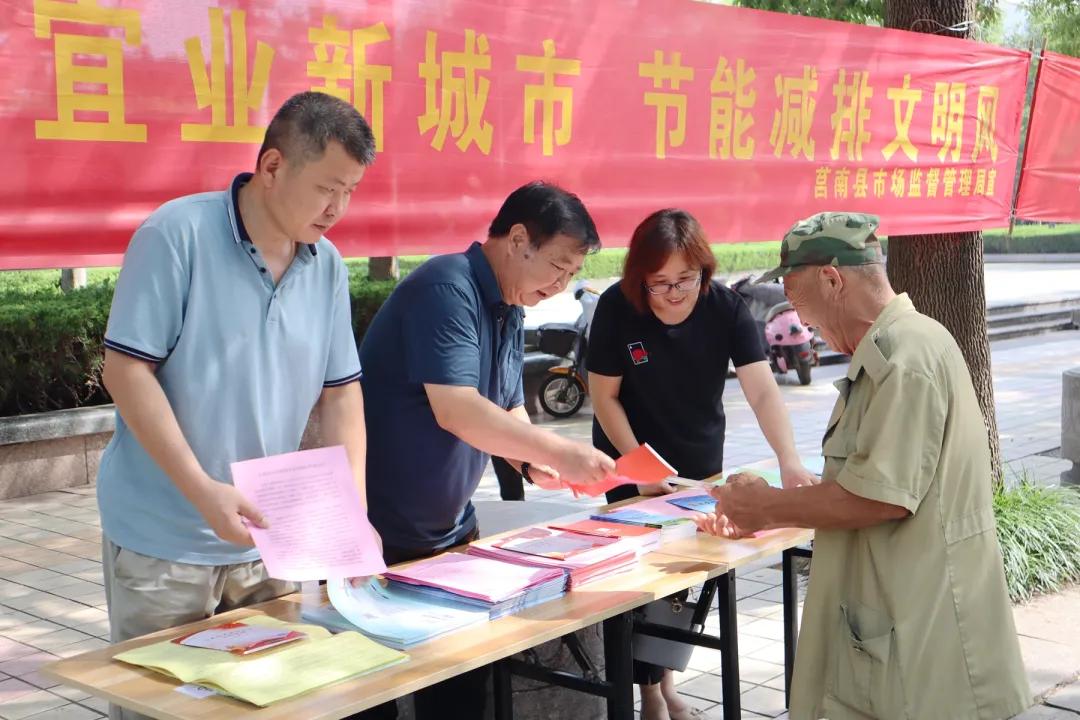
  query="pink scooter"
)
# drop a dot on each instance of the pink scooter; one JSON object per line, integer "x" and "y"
{"x": 787, "y": 341}
{"x": 790, "y": 342}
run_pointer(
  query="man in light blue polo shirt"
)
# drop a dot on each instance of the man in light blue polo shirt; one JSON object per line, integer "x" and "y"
{"x": 230, "y": 322}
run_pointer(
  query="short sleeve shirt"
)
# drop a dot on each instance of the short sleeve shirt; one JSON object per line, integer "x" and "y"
{"x": 673, "y": 376}
{"x": 909, "y": 618}
{"x": 242, "y": 361}
{"x": 444, "y": 324}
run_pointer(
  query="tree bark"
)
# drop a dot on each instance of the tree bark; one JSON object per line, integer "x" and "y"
{"x": 383, "y": 268}
{"x": 72, "y": 279}
{"x": 943, "y": 274}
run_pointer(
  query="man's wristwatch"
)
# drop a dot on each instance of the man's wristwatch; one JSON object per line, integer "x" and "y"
{"x": 525, "y": 472}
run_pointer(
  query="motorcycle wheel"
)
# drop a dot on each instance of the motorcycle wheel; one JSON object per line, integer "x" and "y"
{"x": 561, "y": 396}
{"x": 803, "y": 370}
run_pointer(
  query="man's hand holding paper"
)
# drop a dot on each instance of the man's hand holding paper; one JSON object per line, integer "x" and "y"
{"x": 318, "y": 527}
{"x": 228, "y": 513}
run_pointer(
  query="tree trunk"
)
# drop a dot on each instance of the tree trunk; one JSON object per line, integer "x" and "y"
{"x": 383, "y": 268}
{"x": 943, "y": 274}
{"x": 72, "y": 278}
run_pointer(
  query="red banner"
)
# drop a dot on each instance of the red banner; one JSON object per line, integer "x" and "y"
{"x": 748, "y": 119}
{"x": 1050, "y": 180}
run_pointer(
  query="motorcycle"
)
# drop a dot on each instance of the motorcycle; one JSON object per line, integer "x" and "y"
{"x": 564, "y": 389}
{"x": 787, "y": 341}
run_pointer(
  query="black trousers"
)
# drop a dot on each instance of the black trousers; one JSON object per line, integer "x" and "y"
{"x": 463, "y": 697}
{"x": 511, "y": 483}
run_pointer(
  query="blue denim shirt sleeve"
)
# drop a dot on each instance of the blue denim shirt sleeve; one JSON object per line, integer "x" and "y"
{"x": 442, "y": 343}
{"x": 148, "y": 304}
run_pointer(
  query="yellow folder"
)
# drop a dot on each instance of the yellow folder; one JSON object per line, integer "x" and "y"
{"x": 275, "y": 675}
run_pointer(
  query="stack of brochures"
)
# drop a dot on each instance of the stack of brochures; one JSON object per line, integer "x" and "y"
{"x": 498, "y": 587}
{"x": 271, "y": 675}
{"x": 584, "y": 557}
{"x": 672, "y": 521}
{"x": 642, "y": 539}
{"x": 394, "y": 618}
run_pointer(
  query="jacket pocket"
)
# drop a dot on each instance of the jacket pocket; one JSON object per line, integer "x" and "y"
{"x": 836, "y": 449}
{"x": 864, "y": 680}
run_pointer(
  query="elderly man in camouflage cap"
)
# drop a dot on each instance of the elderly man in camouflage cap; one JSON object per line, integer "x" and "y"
{"x": 907, "y": 613}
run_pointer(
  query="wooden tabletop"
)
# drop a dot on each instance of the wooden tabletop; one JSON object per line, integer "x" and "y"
{"x": 676, "y": 566}
{"x": 154, "y": 694}
{"x": 733, "y": 554}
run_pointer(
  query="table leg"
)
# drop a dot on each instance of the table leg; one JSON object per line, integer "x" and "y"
{"x": 729, "y": 654}
{"x": 790, "y": 585}
{"x": 618, "y": 658}
{"x": 504, "y": 699}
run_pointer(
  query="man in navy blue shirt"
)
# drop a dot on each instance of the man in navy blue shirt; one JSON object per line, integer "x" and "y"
{"x": 443, "y": 389}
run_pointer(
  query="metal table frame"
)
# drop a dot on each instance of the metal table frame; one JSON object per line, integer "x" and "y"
{"x": 617, "y": 686}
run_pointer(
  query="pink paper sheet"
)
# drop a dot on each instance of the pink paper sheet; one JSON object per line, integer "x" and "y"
{"x": 473, "y": 576}
{"x": 318, "y": 527}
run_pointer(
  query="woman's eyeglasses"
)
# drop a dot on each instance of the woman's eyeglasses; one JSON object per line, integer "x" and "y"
{"x": 681, "y": 286}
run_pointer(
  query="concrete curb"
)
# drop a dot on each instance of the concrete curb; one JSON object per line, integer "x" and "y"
{"x": 57, "y": 424}
{"x": 1020, "y": 258}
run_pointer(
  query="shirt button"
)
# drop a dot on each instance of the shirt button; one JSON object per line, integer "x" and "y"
{"x": 262, "y": 269}
{"x": 252, "y": 251}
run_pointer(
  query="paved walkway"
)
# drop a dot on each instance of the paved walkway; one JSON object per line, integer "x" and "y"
{"x": 52, "y": 603}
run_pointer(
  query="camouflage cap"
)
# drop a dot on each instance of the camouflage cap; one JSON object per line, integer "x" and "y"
{"x": 828, "y": 238}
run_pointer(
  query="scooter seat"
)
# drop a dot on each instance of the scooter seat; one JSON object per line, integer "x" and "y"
{"x": 776, "y": 310}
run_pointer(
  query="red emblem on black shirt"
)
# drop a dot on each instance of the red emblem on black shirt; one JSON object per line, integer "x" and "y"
{"x": 638, "y": 353}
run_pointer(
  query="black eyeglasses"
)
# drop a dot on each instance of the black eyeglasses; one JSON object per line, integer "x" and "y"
{"x": 681, "y": 286}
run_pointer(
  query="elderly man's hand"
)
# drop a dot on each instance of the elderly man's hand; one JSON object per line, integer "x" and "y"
{"x": 742, "y": 501}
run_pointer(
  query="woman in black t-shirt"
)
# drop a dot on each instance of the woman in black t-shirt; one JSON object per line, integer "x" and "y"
{"x": 658, "y": 356}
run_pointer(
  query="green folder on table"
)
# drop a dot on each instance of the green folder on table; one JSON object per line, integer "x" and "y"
{"x": 275, "y": 675}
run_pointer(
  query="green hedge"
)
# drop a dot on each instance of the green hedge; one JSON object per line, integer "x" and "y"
{"x": 50, "y": 350}
{"x": 367, "y": 297}
{"x": 50, "y": 343}
{"x": 1033, "y": 239}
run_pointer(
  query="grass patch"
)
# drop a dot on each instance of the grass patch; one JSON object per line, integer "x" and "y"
{"x": 1033, "y": 239}
{"x": 1039, "y": 530}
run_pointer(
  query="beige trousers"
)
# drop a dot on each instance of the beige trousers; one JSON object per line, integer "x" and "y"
{"x": 146, "y": 594}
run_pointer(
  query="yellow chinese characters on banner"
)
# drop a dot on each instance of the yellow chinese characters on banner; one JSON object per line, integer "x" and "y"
{"x": 794, "y": 119}
{"x": 547, "y": 95}
{"x": 341, "y": 56}
{"x": 841, "y": 183}
{"x": 904, "y": 99}
{"x": 73, "y": 76}
{"x": 851, "y": 115}
{"x": 947, "y": 126}
{"x": 455, "y": 94}
{"x": 946, "y": 135}
{"x": 986, "y": 123}
{"x": 672, "y": 74}
{"x": 248, "y": 95}
{"x": 730, "y": 111}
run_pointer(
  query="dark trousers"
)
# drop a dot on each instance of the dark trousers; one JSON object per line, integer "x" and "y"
{"x": 511, "y": 483}
{"x": 463, "y": 697}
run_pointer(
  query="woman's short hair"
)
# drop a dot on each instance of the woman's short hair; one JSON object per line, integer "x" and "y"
{"x": 655, "y": 240}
